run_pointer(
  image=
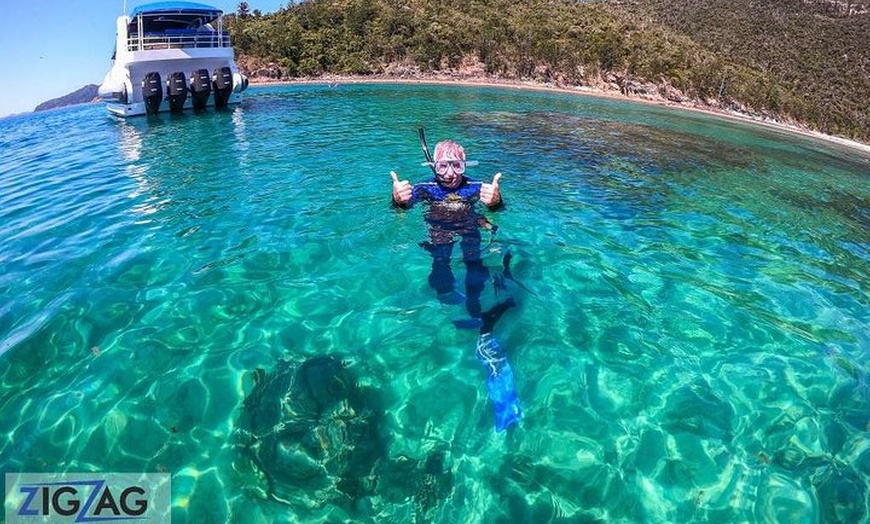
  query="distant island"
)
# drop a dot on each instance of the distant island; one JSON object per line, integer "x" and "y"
{"x": 84, "y": 95}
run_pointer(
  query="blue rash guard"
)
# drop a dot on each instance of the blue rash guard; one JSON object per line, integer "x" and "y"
{"x": 448, "y": 209}
{"x": 468, "y": 191}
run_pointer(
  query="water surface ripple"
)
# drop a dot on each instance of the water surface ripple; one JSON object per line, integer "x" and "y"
{"x": 229, "y": 297}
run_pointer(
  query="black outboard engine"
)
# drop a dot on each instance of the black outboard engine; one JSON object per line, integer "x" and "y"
{"x": 176, "y": 91}
{"x": 223, "y": 86}
{"x": 152, "y": 92}
{"x": 200, "y": 88}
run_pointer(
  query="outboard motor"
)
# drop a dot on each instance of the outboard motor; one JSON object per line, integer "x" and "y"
{"x": 223, "y": 86}
{"x": 240, "y": 82}
{"x": 152, "y": 92}
{"x": 176, "y": 91}
{"x": 200, "y": 88}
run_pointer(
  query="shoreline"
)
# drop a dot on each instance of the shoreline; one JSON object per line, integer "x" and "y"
{"x": 583, "y": 90}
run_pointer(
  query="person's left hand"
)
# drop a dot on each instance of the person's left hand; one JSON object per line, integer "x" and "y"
{"x": 489, "y": 193}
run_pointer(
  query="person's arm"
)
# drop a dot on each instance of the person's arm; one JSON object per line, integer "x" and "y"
{"x": 490, "y": 193}
{"x": 402, "y": 191}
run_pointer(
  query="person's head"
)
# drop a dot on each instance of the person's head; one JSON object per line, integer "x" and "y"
{"x": 449, "y": 165}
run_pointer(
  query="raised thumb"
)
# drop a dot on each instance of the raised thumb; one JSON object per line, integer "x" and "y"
{"x": 395, "y": 176}
{"x": 496, "y": 178}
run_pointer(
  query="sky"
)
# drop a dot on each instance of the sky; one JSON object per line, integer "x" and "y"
{"x": 52, "y": 47}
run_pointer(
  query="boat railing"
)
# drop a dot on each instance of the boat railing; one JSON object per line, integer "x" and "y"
{"x": 177, "y": 39}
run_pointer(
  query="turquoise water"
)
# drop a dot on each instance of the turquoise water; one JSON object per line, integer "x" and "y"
{"x": 690, "y": 343}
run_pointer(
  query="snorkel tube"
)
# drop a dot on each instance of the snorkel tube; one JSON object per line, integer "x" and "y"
{"x": 425, "y": 147}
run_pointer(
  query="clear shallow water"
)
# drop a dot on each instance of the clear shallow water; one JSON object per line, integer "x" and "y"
{"x": 691, "y": 341}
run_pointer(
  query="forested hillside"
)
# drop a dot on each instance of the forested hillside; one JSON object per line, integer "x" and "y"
{"x": 815, "y": 52}
{"x": 782, "y": 58}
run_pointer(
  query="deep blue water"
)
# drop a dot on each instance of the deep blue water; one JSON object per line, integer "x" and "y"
{"x": 229, "y": 297}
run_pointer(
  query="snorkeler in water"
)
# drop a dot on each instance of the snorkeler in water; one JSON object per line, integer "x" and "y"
{"x": 451, "y": 215}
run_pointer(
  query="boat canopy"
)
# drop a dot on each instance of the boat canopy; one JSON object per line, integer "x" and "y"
{"x": 183, "y": 8}
{"x": 164, "y": 17}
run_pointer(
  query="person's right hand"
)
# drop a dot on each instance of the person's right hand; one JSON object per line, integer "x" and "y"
{"x": 401, "y": 190}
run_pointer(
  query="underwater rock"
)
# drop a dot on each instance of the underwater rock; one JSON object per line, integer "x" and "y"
{"x": 310, "y": 436}
{"x": 427, "y": 483}
{"x": 697, "y": 409}
{"x": 839, "y": 491}
{"x": 434, "y": 485}
{"x": 312, "y": 432}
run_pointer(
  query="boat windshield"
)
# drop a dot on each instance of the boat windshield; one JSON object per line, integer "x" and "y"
{"x": 169, "y": 25}
{"x": 163, "y": 22}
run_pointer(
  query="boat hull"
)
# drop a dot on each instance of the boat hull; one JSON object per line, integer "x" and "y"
{"x": 139, "y": 108}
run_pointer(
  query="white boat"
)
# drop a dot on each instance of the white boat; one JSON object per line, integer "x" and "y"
{"x": 171, "y": 56}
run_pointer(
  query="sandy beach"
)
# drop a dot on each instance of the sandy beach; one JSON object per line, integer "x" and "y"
{"x": 586, "y": 90}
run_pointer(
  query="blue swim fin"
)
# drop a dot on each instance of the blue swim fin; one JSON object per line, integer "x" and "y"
{"x": 499, "y": 382}
{"x": 504, "y": 398}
